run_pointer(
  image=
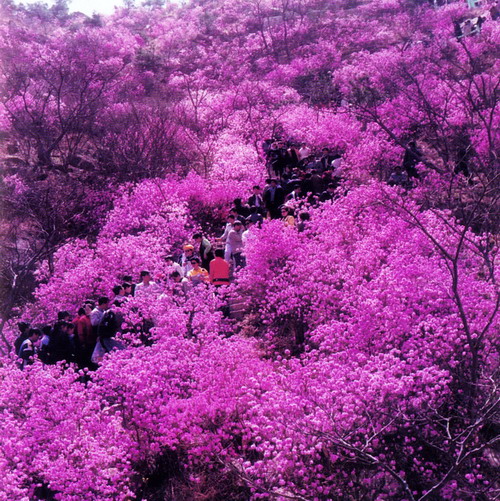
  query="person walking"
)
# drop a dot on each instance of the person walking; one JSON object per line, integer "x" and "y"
{"x": 235, "y": 240}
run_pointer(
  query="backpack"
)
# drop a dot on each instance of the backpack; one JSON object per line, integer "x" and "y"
{"x": 108, "y": 326}
{"x": 30, "y": 349}
{"x": 19, "y": 341}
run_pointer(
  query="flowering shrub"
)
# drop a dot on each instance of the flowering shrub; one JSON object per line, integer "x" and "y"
{"x": 58, "y": 436}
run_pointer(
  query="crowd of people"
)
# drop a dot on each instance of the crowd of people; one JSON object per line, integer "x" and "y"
{"x": 304, "y": 173}
{"x": 84, "y": 337}
{"x": 300, "y": 171}
{"x": 301, "y": 179}
{"x": 72, "y": 338}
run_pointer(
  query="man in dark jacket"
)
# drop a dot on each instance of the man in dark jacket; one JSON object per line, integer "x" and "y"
{"x": 60, "y": 345}
{"x": 411, "y": 158}
{"x": 326, "y": 159}
{"x": 328, "y": 194}
{"x": 274, "y": 198}
{"x": 27, "y": 350}
{"x": 256, "y": 200}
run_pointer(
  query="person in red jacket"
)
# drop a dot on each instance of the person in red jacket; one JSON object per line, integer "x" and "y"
{"x": 85, "y": 336}
{"x": 219, "y": 269}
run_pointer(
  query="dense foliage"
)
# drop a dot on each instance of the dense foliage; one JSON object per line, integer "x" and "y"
{"x": 366, "y": 364}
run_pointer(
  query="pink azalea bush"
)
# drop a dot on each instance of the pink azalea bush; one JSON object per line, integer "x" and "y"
{"x": 59, "y": 435}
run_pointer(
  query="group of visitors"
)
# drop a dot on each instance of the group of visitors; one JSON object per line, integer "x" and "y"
{"x": 301, "y": 179}
{"x": 71, "y": 338}
{"x": 301, "y": 173}
{"x": 286, "y": 155}
{"x": 84, "y": 338}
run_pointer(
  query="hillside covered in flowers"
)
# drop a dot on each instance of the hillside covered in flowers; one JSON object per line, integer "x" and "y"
{"x": 250, "y": 251}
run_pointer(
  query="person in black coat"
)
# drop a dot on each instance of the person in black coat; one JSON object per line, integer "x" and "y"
{"x": 60, "y": 346}
{"x": 242, "y": 210}
{"x": 23, "y": 335}
{"x": 307, "y": 184}
{"x": 296, "y": 193}
{"x": 28, "y": 349}
{"x": 256, "y": 200}
{"x": 326, "y": 159}
{"x": 411, "y": 158}
{"x": 329, "y": 194}
{"x": 274, "y": 198}
{"x": 279, "y": 158}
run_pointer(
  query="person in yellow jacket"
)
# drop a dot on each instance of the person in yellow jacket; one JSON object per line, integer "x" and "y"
{"x": 287, "y": 216}
{"x": 197, "y": 275}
